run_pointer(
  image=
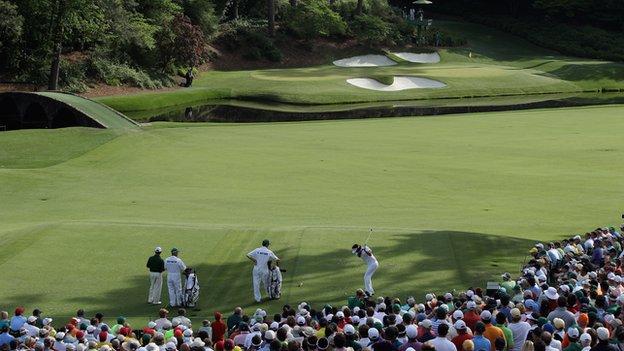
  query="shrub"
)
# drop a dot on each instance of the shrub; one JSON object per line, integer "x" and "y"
{"x": 312, "y": 19}
{"x": 116, "y": 74}
{"x": 248, "y": 38}
{"x": 371, "y": 29}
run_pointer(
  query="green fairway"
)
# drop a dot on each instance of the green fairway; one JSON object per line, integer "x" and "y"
{"x": 454, "y": 201}
{"x": 494, "y": 64}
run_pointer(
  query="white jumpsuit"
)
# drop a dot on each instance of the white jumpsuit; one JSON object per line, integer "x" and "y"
{"x": 260, "y": 273}
{"x": 372, "y": 265}
{"x": 174, "y": 267}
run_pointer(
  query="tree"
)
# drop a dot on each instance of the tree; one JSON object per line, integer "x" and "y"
{"x": 271, "y": 17}
{"x": 359, "y": 8}
{"x": 11, "y": 23}
{"x": 182, "y": 43}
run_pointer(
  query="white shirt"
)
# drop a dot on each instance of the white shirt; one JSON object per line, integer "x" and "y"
{"x": 367, "y": 256}
{"x": 31, "y": 329}
{"x": 443, "y": 344}
{"x": 160, "y": 323}
{"x": 174, "y": 265}
{"x": 182, "y": 320}
{"x": 519, "y": 331}
{"x": 262, "y": 255}
{"x": 555, "y": 344}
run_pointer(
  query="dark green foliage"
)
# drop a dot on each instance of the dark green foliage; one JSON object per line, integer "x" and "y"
{"x": 248, "y": 37}
{"x": 313, "y": 19}
{"x": 371, "y": 29}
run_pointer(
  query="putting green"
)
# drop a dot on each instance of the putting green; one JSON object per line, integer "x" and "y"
{"x": 454, "y": 201}
{"x": 494, "y": 64}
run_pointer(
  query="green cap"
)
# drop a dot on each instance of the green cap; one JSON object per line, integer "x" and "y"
{"x": 175, "y": 249}
{"x": 266, "y": 242}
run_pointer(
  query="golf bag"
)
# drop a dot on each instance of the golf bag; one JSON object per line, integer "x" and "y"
{"x": 274, "y": 288}
{"x": 191, "y": 291}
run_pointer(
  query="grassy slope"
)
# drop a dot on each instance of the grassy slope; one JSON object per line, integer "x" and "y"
{"x": 454, "y": 200}
{"x": 500, "y": 65}
{"x": 42, "y": 147}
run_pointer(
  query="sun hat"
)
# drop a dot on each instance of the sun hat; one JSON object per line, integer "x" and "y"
{"x": 460, "y": 325}
{"x": 602, "y": 333}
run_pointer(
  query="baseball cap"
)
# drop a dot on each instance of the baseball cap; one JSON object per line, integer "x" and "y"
{"x": 585, "y": 337}
{"x": 301, "y": 320}
{"x": 32, "y": 319}
{"x": 373, "y": 334}
{"x": 471, "y": 305}
{"x": 460, "y": 325}
{"x": 425, "y": 324}
{"x": 158, "y": 249}
{"x": 458, "y": 314}
{"x": 573, "y": 333}
{"x": 269, "y": 335}
{"x": 266, "y": 242}
{"x": 603, "y": 333}
{"x": 175, "y": 249}
{"x": 349, "y": 329}
{"x": 486, "y": 315}
{"x": 515, "y": 312}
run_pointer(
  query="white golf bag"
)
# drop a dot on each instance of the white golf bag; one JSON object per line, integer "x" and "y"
{"x": 274, "y": 288}
{"x": 191, "y": 291}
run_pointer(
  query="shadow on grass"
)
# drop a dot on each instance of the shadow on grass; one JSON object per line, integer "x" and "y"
{"x": 410, "y": 264}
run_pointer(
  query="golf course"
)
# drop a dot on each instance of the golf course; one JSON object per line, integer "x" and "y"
{"x": 452, "y": 200}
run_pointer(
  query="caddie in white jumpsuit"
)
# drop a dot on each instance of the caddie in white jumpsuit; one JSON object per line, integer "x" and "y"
{"x": 260, "y": 274}
{"x": 366, "y": 254}
{"x": 175, "y": 267}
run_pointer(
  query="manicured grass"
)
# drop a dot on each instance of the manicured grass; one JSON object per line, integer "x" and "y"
{"x": 454, "y": 201}
{"x": 43, "y": 147}
{"x": 493, "y": 64}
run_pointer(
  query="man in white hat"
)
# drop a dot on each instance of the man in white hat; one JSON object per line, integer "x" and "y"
{"x": 174, "y": 266}
{"x": 30, "y": 327}
{"x": 260, "y": 274}
{"x": 156, "y": 267}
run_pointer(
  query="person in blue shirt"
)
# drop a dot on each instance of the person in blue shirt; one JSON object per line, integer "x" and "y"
{"x": 5, "y": 338}
{"x": 17, "y": 321}
{"x": 480, "y": 342}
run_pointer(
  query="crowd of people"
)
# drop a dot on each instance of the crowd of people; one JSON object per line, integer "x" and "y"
{"x": 568, "y": 297}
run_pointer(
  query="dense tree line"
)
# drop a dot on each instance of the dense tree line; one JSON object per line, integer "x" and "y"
{"x": 145, "y": 42}
{"x": 587, "y": 28}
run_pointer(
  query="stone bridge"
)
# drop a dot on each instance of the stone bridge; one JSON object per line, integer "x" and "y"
{"x": 20, "y": 110}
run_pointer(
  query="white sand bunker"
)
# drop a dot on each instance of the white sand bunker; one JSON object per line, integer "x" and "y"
{"x": 400, "y": 83}
{"x": 365, "y": 61}
{"x": 432, "y": 57}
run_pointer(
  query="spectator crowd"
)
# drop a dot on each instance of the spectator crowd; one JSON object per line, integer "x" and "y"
{"x": 567, "y": 297}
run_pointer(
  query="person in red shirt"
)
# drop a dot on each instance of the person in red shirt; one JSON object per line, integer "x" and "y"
{"x": 471, "y": 317}
{"x": 218, "y": 328}
{"x": 462, "y": 334}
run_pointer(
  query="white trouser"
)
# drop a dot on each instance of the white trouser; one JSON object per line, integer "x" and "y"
{"x": 259, "y": 276}
{"x": 174, "y": 283}
{"x": 155, "y": 289}
{"x": 368, "y": 277}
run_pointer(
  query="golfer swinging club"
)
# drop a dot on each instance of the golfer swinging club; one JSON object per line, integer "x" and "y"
{"x": 260, "y": 274}
{"x": 366, "y": 254}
